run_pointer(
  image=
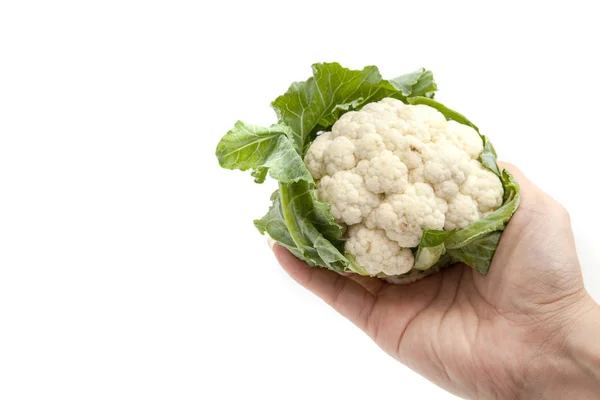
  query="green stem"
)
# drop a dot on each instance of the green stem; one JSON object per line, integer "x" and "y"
{"x": 290, "y": 220}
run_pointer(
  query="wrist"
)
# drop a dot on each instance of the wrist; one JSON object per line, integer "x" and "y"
{"x": 583, "y": 348}
{"x": 570, "y": 368}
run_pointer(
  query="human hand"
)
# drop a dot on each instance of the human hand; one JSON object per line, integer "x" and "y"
{"x": 525, "y": 330}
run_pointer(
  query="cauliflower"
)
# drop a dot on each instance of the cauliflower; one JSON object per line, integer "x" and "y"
{"x": 398, "y": 189}
{"x": 391, "y": 170}
{"x": 375, "y": 252}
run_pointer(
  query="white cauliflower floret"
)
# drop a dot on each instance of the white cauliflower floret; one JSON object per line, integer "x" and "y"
{"x": 465, "y": 138}
{"x": 349, "y": 198}
{"x": 403, "y": 216}
{"x": 326, "y": 156}
{"x": 339, "y": 156}
{"x": 315, "y": 153}
{"x": 431, "y": 116}
{"x": 391, "y": 170}
{"x": 410, "y": 150}
{"x": 376, "y": 253}
{"x": 446, "y": 190}
{"x": 444, "y": 163}
{"x": 483, "y": 186}
{"x": 384, "y": 173}
{"x": 369, "y": 145}
{"x": 462, "y": 210}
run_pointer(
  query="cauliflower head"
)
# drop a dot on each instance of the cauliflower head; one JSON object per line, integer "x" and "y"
{"x": 391, "y": 170}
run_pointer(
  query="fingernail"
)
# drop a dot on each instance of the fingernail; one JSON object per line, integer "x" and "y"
{"x": 271, "y": 243}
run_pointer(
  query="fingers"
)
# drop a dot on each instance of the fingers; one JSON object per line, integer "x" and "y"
{"x": 345, "y": 295}
{"x": 372, "y": 285}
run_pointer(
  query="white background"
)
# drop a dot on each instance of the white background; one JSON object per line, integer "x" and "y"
{"x": 129, "y": 265}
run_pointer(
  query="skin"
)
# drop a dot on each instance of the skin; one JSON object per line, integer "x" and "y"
{"x": 526, "y": 330}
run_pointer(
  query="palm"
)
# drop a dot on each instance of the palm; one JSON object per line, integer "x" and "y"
{"x": 460, "y": 329}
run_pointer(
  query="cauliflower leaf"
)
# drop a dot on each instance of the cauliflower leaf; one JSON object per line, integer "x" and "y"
{"x": 293, "y": 221}
{"x": 264, "y": 150}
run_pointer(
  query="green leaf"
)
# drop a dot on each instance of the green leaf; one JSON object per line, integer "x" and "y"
{"x": 478, "y": 254}
{"x": 317, "y": 103}
{"x": 331, "y": 256}
{"x": 299, "y": 211}
{"x": 262, "y": 149}
{"x": 288, "y": 223}
{"x": 295, "y": 219}
{"x": 444, "y": 261}
{"x": 434, "y": 237}
{"x": 488, "y": 155}
{"x": 305, "y": 204}
{"x": 427, "y": 257}
{"x": 273, "y": 223}
{"x": 418, "y": 83}
{"x": 259, "y": 174}
{"x": 431, "y": 248}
